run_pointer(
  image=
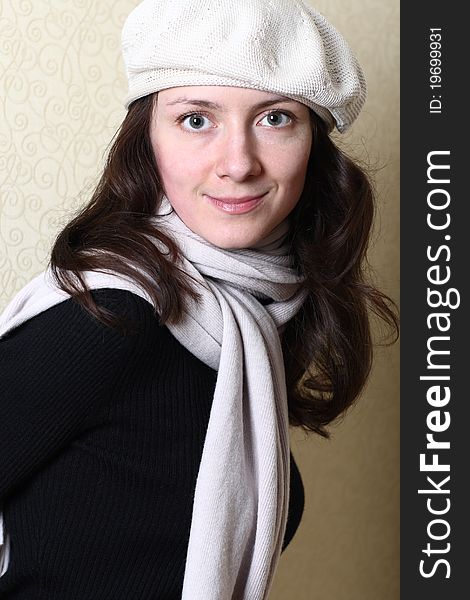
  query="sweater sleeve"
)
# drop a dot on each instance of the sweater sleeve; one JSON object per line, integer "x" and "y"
{"x": 54, "y": 371}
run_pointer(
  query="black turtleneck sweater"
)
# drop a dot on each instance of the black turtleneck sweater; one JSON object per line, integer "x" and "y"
{"x": 101, "y": 436}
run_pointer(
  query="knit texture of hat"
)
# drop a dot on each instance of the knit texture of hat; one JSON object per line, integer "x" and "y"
{"x": 279, "y": 46}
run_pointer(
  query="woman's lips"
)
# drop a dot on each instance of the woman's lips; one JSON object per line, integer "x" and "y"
{"x": 236, "y": 206}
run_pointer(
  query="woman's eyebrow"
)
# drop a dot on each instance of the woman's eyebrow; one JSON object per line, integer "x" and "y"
{"x": 215, "y": 106}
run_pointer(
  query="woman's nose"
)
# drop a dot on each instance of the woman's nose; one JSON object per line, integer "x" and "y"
{"x": 237, "y": 156}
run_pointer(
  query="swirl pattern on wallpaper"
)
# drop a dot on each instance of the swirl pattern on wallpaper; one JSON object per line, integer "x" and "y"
{"x": 62, "y": 86}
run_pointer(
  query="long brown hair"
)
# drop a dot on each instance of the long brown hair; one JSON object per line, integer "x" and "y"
{"x": 327, "y": 346}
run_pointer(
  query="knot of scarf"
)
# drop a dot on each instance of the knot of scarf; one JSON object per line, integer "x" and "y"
{"x": 261, "y": 279}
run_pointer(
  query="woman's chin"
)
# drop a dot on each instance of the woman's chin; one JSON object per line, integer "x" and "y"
{"x": 232, "y": 240}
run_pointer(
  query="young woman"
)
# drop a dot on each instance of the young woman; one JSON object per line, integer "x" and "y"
{"x": 210, "y": 294}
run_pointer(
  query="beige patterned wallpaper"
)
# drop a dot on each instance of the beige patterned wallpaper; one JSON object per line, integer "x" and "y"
{"x": 61, "y": 87}
{"x": 61, "y": 81}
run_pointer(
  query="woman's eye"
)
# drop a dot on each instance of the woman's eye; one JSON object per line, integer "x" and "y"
{"x": 195, "y": 122}
{"x": 277, "y": 119}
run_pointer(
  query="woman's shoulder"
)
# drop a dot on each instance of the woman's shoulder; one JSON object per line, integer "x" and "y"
{"x": 67, "y": 338}
{"x": 66, "y": 352}
{"x": 126, "y": 305}
{"x": 69, "y": 323}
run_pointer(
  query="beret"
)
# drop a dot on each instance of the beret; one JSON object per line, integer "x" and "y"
{"x": 279, "y": 46}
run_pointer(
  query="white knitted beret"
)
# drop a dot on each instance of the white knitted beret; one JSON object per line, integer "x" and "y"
{"x": 280, "y": 46}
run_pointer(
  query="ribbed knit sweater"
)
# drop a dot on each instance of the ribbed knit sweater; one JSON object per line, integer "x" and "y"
{"x": 101, "y": 436}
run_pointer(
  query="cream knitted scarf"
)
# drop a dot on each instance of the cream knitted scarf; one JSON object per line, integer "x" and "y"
{"x": 242, "y": 489}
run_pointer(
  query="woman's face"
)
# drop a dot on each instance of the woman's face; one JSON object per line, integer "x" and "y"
{"x": 232, "y": 160}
